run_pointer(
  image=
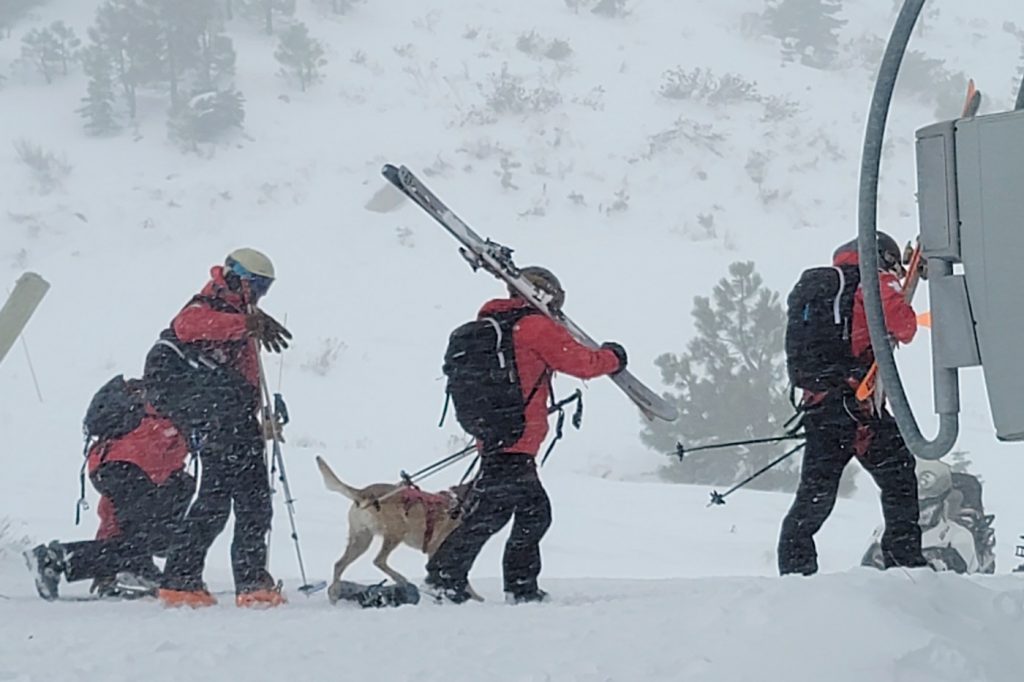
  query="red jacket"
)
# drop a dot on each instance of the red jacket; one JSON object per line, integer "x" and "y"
{"x": 220, "y": 334}
{"x": 156, "y": 447}
{"x": 108, "y": 527}
{"x": 900, "y": 319}
{"x": 542, "y": 346}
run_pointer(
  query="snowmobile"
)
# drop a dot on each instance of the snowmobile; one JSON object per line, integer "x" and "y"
{"x": 956, "y": 534}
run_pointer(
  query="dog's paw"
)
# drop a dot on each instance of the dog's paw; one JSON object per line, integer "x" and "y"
{"x": 334, "y": 592}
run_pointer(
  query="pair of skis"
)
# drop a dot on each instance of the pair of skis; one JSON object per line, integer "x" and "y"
{"x": 496, "y": 259}
{"x": 870, "y": 387}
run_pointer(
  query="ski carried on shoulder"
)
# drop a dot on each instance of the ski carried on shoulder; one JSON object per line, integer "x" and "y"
{"x": 497, "y": 259}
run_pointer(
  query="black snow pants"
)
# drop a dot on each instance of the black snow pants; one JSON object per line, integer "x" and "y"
{"x": 234, "y": 472}
{"x": 832, "y": 435}
{"x": 217, "y": 408}
{"x": 507, "y": 486}
{"x": 148, "y": 515}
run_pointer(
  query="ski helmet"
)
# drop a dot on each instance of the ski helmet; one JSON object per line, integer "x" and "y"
{"x": 546, "y": 280}
{"x": 934, "y": 479}
{"x": 890, "y": 258}
{"x": 252, "y": 266}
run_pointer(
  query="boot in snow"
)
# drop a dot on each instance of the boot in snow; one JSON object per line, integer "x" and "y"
{"x": 46, "y": 563}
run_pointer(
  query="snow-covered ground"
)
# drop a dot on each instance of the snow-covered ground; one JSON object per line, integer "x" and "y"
{"x": 648, "y": 583}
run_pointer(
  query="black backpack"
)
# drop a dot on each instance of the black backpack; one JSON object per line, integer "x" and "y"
{"x": 483, "y": 382}
{"x": 820, "y": 311}
{"x": 116, "y": 410}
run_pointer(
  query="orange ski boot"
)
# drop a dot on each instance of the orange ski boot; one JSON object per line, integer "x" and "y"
{"x": 262, "y": 597}
{"x": 193, "y": 598}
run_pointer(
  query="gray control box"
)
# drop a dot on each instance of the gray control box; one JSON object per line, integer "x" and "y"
{"x": 989, "y": 207}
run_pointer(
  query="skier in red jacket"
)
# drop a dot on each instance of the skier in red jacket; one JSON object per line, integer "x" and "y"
{"x": 204, "y": 374}
{"x": 839, "y": 428}
{"x": 145, "y": 492}
{"x": 508, "y": 484}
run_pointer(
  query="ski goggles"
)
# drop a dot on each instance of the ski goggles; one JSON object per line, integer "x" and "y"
{"x": 258, "y": 285}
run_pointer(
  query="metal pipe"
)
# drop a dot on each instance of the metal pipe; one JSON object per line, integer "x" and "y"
{"x": 946, "y": 380}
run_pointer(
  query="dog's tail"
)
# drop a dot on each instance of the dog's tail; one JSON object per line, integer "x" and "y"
{"x": 334, "y": 483}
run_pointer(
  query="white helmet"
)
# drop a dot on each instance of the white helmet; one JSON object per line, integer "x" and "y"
{"x": 251, "y": 261}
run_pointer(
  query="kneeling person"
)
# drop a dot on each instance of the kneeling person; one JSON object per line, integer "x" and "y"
{"x": 141, "y": 476}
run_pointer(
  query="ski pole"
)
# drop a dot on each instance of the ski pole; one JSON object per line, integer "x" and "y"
{"x": 719, "y": 498}
{"x": 682, "y": 450}
{"x": 429, "y": 470}
{"x": 790, "y": 433}
{"x": 306, "y": 588}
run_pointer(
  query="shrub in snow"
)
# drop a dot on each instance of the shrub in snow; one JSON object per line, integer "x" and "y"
{"x": 207, "y": 117}
{"x": 48, "y": 169}
{"x": 703, "y": 86}
{"x": 610, "y": 8}
{"x": 508, "y": 94}
{"x": 535, "y": 45}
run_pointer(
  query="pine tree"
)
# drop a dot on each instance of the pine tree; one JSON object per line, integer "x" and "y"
{"x": 266, "y": 10}
{"x": 730, "y": 385}
{"x": 38, "y": 49}
{"x": 301, "y": 56}
{"x": 51, "y": 49}
{"x": 807, "y": 28}
{"x": 98, "y": 104}
{"x": 125, "y": 31}
{"x": 11, "y": 11}
{"x": 67, "y": 44}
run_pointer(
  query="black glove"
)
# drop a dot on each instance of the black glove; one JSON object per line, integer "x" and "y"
{"x": 620, "y": 353}
{"x": 268, "y": 331}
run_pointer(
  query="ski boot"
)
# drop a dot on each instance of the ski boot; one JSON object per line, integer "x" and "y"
{"x": 534, "y": 596}
{"x": 264, "y": 595}
{"x": 443, "y": 591}
{"x": 195, "y": 598}
{"x": 46, "y": 563}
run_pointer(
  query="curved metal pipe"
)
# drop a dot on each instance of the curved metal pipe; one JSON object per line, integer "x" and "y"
{"x": 867, "y": 236}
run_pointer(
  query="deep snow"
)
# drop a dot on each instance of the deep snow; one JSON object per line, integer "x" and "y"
{"x": 129, "y": 237}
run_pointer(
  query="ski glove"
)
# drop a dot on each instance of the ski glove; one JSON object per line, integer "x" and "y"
{"x": 620, "y": 353}
{"x": 268, "y": 331}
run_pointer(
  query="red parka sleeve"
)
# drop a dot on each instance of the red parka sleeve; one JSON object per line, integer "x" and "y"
{"x": 561, "y": 352}
{"x": 198, "y": 322}
{"x": 900, "y": 318}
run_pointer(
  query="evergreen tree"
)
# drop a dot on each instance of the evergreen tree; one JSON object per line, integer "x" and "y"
{"x": 98, "y": 104}
{"x": 301, "y": 56}
{"x": 730, "y": 384}
{"x": 808, "y": 29}
{"x": 180, "y": 27}
{"x": 266, "y": 10}
{"x": 176, "y": 45}
{"x": 125, "y": 31}
{"x": 51, "y": 49}
{"x": 13, "y": 10}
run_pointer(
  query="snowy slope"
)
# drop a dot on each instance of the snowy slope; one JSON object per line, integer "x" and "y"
{"x": 130, "y": 235}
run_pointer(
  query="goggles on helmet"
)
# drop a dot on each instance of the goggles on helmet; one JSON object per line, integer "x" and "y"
{"x": 258, "y": 285}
